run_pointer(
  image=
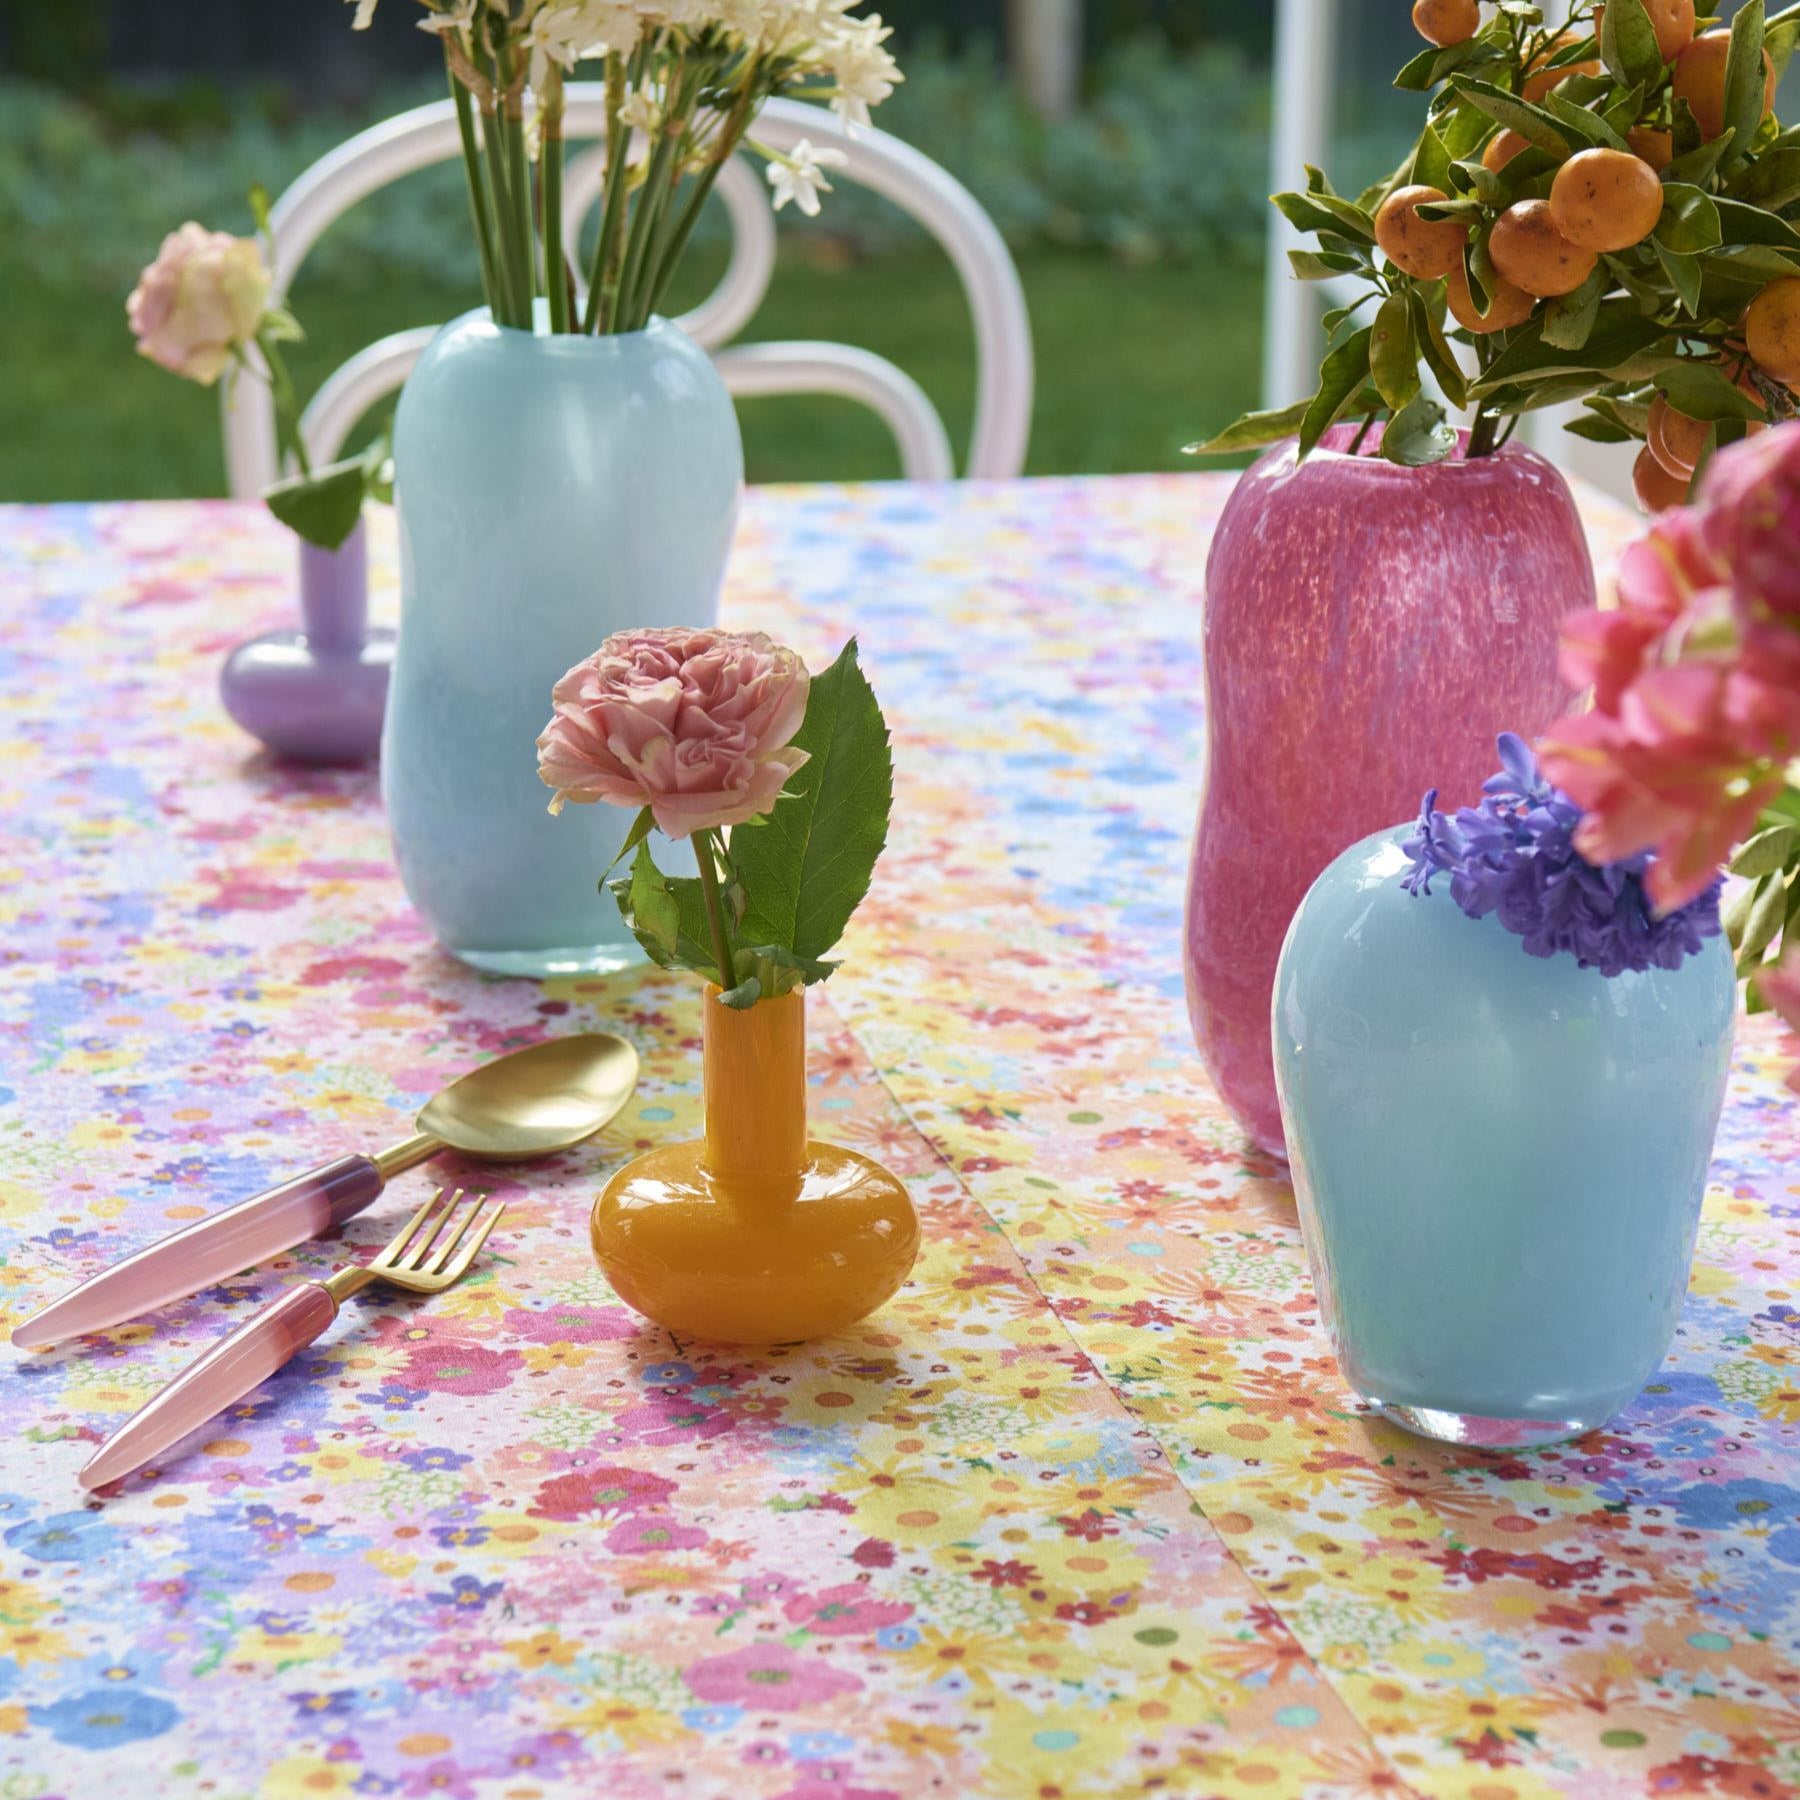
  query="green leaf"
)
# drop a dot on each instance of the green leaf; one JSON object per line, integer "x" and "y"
{"x": 1740, "y": 224}
{"x": 1768, "y": 853}
{"x": 1684, "y": 128}
{"x": 1589, "y": 125}
{"x": 1431, "y": 161}
{"x": 744, "y": 996}
{"x": 1428, "y": 328}
{"x": 1463, "y": 212}
{"x": 641, "y": 827}
{"x": 777, "y": 971}
{"x": 1418, "y": 434}
{"x": 1341, "y": 374}
{"x": 1703, "y": 391}
{"x": 1486, "y": 186}
{"x": 1569, "y": 320}
{"x": 1532, "y": 123}
{"x": 1690, "y": 219}
{"x": 1698, "y": 164}
{"x": 1779, "y": 41}
{"x": 1393, "y": 353}
{"x": 1598, "y": 431}
{"x": 1619, "y": 334}
{"x": 1744, "y": 77}
{"x": 1684, "y": 277}
{"x": 806, "y": 869}
{"x": 259, "y": 206}
{"x": 1432, "y": 65}
{"x": 1630, "y": 414}
{"x": 1771, "y": 181}
{"x": 1323, "y": 265}
{"x": 654, "y": 909}
{"x": 1767, "y": 914}
{"x": 1253, "y": 430}
{"x": 322, "y": 507}
{"x": 1628, "y": 44}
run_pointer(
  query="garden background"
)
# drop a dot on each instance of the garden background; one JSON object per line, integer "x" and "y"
{"x": 1137, "y": 218}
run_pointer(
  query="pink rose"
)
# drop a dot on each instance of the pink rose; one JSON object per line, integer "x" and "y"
{"x": 696, "y": 725}
{"x": 202, "y": 297}
{"x": 1749, "y": 514}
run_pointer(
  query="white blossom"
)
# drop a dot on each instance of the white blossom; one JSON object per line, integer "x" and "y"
{"x": 642, "y": 110}
{"x": 800, "y": 176}
{"x": 454, "y": 15}
{"x": 365, "y": 13}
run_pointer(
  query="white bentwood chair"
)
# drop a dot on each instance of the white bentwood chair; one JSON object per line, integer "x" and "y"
{"x": 428, "y": 134}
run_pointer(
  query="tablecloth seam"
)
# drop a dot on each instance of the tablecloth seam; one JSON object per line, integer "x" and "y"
{"x": 1195, "y": 1507}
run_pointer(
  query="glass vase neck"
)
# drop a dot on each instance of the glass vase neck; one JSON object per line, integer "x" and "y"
{"x": 754, "y": 1084}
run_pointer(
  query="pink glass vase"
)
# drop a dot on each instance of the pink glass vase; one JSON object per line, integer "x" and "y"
{"x": 1369, "y": 630}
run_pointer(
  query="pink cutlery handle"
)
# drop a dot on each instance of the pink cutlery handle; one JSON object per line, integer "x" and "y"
{"x": 208, "y": 1250}
{"x": 209, "y": 1384}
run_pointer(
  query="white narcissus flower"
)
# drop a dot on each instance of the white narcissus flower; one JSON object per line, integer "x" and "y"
{"x": 642, "y": 110}
{"x": 800, "y": 177}
{"x": 457, "y": 15}
{"x": 862, "y": 67}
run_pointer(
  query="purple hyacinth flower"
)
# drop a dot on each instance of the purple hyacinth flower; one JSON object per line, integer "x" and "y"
{"x": 1514, "y": 856}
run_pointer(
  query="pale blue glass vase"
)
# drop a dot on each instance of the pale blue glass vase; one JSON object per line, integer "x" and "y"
{"x": 550, "y": 490}
{"x": 1499, "y": 1158}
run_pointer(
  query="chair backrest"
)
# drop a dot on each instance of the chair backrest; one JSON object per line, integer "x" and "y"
{"x": 428, "y": 134}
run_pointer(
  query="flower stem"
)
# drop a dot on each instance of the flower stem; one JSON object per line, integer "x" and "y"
{"x": 604, "y": 277}
{"x": 1482, "y": 433}
{"x": 715, "y": 908}
{"x": 478, "y": 200}
{"x": 287, "y": 403}
{"x": 550, "y": 173}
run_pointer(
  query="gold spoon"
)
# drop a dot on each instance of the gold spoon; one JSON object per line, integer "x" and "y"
{"x": 532, "y": 1102}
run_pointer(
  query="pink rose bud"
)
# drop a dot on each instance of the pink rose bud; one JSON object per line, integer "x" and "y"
{"x": 696, "y": 725}
{"x": 202, "y": 297}
{"x": 1750, "y": 517}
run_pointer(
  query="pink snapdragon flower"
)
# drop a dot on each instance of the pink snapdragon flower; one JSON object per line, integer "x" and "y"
{"x": 201, "y": 299}
{"x": 1696, "y": 676}
{"x": 695, "y": 724}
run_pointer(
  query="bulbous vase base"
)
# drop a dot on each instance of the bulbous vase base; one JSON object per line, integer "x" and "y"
{"x": 755, "y": 1262}
{"x": 573, "y": 959}
{"x": 1478, "y": 1433}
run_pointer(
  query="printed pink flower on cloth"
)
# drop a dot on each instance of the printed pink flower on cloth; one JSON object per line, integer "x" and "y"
{"x": 694, "y": 724}
{"x": 847, "y": 1610}
{"x": 605, "y": 1490}
{"x": 641, "y": 1536}
{"x": 768, "y": 1678}
{"x": 202, "y": 297}
{"x": 1749, "y": 514}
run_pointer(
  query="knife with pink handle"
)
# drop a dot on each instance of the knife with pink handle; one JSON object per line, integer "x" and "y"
{"x": 529, "y": 1103}
{"x": 248, "y": 1356}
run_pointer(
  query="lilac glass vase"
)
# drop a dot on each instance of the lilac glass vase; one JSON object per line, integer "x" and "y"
{"x": 317, "y": 695}
{"x": 1369, "y": 630}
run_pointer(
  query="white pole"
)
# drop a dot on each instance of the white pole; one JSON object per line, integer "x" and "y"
{"x": 1043, "y": 39}
{"x": 1305, "y": 51}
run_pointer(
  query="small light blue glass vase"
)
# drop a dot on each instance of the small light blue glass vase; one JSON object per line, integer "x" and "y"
{"x": 1499, "y": 1158}
{"x": 550, "y": 490}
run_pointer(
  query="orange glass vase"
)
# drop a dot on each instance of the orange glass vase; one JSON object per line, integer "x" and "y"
{"x": 755, "y": 1233}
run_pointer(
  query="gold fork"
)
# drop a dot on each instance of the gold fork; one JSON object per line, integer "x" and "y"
{"x": 415, "y": 1261}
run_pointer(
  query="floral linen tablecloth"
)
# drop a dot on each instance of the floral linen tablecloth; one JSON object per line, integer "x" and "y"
{"x": 1085, "y": 1512}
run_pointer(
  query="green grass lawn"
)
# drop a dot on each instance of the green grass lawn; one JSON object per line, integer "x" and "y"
{"x": 1131, "y": 364}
